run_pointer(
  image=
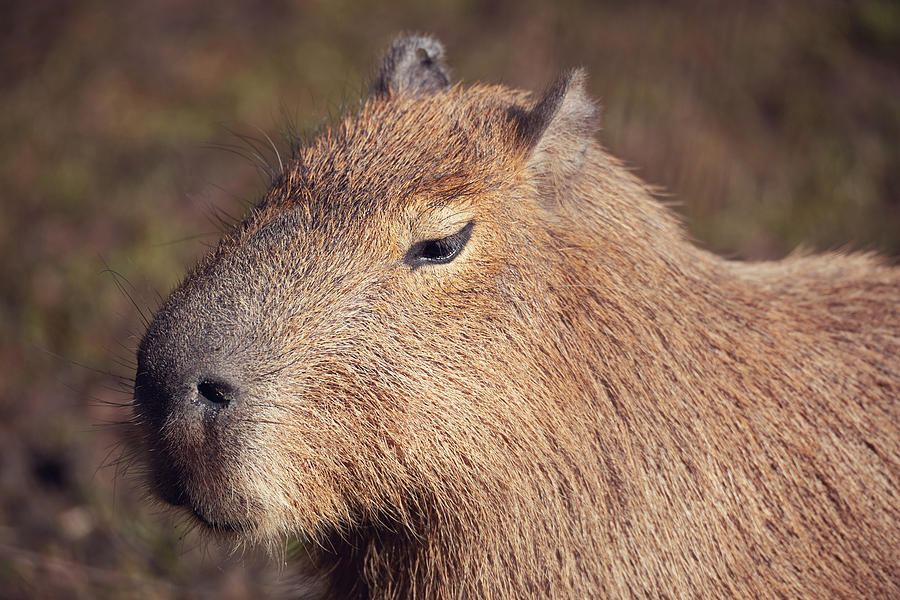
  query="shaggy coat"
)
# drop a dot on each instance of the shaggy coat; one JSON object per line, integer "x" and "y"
{"x": 578, "y": 403}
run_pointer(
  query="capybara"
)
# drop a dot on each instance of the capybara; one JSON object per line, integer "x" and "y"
{"x": 461, "y": 352}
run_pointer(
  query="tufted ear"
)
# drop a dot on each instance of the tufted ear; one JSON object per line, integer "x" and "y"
{"x": 555, "y": 133}
{"x": 413, "y": 64}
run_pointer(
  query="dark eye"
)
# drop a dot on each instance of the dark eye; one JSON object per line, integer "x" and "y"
{"x": 439, "y": 251}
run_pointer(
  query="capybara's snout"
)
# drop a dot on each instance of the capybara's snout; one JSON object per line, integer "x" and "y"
{"x": 189, "y": 397}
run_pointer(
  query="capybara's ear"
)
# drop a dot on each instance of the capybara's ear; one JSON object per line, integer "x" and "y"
{"x": 555, "y": 133}
{"x": 413, "y": 64}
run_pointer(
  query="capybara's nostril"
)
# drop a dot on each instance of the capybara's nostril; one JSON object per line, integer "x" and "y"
{"x": 215, "y": 392}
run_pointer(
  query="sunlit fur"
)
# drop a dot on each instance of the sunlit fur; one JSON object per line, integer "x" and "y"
{"x": 582, "y": 404}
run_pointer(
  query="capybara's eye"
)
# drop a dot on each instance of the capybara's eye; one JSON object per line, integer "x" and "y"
{"x": 439, "y": 251}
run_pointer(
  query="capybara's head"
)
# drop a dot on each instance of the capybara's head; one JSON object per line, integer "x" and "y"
{"x": 383, "y": 331}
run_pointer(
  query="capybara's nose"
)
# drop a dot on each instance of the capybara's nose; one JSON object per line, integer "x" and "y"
{"x": 181, "y": 384}
{"x": 216, "y": 392}
{"x": 164, "y": 394}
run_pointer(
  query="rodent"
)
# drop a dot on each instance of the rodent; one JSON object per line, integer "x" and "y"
{"x": 465, "y": 354}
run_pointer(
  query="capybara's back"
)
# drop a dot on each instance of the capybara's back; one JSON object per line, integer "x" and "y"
{"x": 462, "y": 352}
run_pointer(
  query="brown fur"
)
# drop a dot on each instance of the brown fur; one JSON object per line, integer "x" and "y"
{"x": 581, "y": 405}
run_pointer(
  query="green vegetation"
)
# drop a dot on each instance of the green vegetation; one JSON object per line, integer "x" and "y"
{"x": 768, "y": 125}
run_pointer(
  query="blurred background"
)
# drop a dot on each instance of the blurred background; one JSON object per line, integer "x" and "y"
{"x": 769, "y": 125}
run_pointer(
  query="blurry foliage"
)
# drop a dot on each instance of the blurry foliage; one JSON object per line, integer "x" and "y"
{"x": 768, "y": 125}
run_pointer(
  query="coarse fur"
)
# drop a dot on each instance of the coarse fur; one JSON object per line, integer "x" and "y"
{"x": 581, "y": 405}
